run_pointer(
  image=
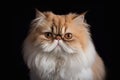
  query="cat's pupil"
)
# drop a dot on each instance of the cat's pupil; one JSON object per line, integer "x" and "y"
{"x": 68, "y": 35}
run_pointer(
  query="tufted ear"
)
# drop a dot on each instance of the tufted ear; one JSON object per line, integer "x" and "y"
{"x": 39, "y": 14}
{"x": 40, "y": 18}
{"x": 80, "y": 18}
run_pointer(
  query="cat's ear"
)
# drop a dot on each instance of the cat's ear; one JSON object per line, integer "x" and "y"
{"x": 80, "y": 18}
{"x": 39, "y": 14}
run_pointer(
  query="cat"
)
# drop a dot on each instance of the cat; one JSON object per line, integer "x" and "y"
{"x": 59, "y": 47}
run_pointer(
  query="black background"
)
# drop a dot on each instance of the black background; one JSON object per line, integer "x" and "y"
{"x": 24, "y": 12}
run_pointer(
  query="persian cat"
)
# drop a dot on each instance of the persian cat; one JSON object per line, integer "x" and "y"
{"x": 59, "y": 47}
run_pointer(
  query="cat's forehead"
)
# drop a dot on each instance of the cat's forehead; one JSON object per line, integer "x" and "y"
{"x": 49, "y": 21}
{"x": 59, "y": 23}
{"x": 59, "y": 20}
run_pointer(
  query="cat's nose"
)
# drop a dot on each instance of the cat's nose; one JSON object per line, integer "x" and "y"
{"x": 58, "y": 37}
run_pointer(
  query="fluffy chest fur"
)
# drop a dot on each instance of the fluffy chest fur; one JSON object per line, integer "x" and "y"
{"x": 59, "y": 68}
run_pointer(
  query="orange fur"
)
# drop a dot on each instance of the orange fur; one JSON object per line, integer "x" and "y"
{"x": 98, "y": 69}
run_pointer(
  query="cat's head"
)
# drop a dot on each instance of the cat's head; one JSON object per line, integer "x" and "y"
{"x": 67, "y": 33}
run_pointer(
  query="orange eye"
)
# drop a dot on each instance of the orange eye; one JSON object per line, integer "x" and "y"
{"x": 48, "y": 35}
{"x": 68, "y": 36}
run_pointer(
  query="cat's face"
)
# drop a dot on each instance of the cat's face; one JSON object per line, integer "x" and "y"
{"x": 59, "y": 33}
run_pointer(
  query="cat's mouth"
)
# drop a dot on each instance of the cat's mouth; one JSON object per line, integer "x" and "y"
{"x": 57, "y": 46}
{"x": 62, "y": 47}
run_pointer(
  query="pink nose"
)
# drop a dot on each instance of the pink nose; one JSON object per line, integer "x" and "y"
{"x": 58, "y": 37}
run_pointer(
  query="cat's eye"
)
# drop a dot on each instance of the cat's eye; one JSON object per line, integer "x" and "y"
{"x": 48, "y": 35}
{"x": 68, "y": 36}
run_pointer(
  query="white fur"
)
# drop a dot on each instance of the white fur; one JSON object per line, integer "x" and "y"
{"x": 42, "y": 61}
{"x": 38, "y": 22}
